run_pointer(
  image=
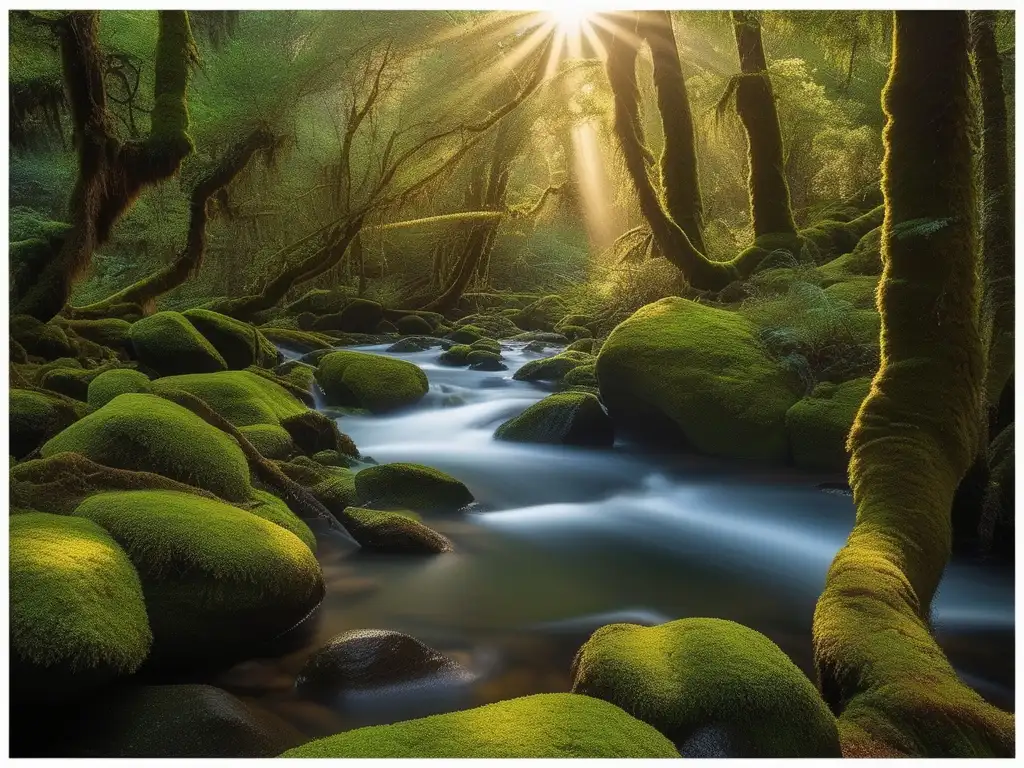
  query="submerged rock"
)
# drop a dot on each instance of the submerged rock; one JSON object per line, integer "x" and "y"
{"x": 411, "y": 486}
{"x": 711, "y": 686}
{"x": 545, "y": 725}
{"x": 371, "y": 658}
{"x": 701, "y": 371}
{"x": 566, "y": 418}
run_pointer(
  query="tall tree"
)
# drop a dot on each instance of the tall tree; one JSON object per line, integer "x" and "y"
{"x": 111, "y": 172}
{"x": 914, "y": 438}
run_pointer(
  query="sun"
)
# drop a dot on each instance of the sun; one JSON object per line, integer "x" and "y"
{"x": 570, "y": 19}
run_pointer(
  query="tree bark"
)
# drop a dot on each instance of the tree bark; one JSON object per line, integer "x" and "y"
{"x": 755, "y": 103}
{"x": 914, "y": 438}
{"x": 111, "y": 173}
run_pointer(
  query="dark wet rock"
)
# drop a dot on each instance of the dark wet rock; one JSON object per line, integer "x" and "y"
{"x": 482, "y": 360}
{"x": 566, "y": 418}
{"x": 414, "y": 344}
{"x": 393, "y": 532}
{"x": 370, "y": 658}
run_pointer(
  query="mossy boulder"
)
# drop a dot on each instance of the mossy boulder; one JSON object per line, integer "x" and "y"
{"x": 147, "y": 433}
{"x": 582, "y": 345}
{"x": 76, "y": 607}
{"x": 297, "y": 373}
{"x": 574, "y": 332}
{"x": 319, "y": 301}
{"x": 357, "y": 316}
{"x": 410, "y": 486}
{"x": 581, "y": 376}
{"x": 467, "y": 334}
{"x": 545, "y": 725}
{"x": 548, "y": 337}
{"x": 702, "y": 370}
{"x": 178, "y": 721}
{"x": 314, "y": 432}
{"x": 216, "y": 578}
{"x": 482, "y": 360}
{"x": 332, "y": 486}
{"x": 268, "y": 506}
{"x": 818, "y": 424}
{"x": 37, "y": 416}
{"x": 169, "y": 344}
{"x": 272, "y": 441}
{"x": 566, "y": 418}
{"x": 864, "y": 259}
{"x": 553, "y": 368}
{"x": 240, "y": 344}
{"x": 117, "y": 381}
{"x": 300, "y": 341}
{"x": 392, "y": 532}
{"x": 413, "y": 325}
{"x": 714, "y": 687}
{"x": 374, "y": 382}
{"x": 370, "y": 658}
{"x": 541, "y": 315}
{"x": 487, "y": 345}
{"x": 414, "y": 344}
{"x": 108, "y": 332}
{"x": 456, "y": 355}
{"x": 858, "y": 291}
{"x": 241, "y": 397}
{"x": 493, "y": 326}
{"x": 39, "y": 339}
{"x": 999, "y": 495}
{"x": 73, "y": 382}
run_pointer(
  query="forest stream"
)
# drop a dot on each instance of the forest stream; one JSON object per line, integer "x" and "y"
{"x": 564, "y": 540}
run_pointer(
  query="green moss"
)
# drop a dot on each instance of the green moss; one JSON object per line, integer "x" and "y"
{"x": 858, "y": 291}
{"x": 581, "y": 376}
{"x": 819, "y": 424}
{"x": 313, "y": 432}
{"x": 73, "y": 382}
{"x": 393, "y": 532}
{"x": 76, "y": 607}
{"x": 59, "y": 483}
{"x": 694, "y": 674}
{"x": 112, "y": 383}
{"x": 213, "y": 575}
{"x": 582, "y": 345}
{"x": 482, "y": 360}
{"x": 487, "y": 345}
{"x": 272, "y": 441}
{"x": 411, "y": 486}
{"x": 574, "y": 332}
{"x": 109, "y": 331}
{"x": 492, "y": 326}
{"x": 334, "y": 487}
{"x": 413, "y": 325}
{"x": 300, "y": 341}
{"x": 297, "y": 373}
{"x": 332, "y": 459}
{"x": 241, "y": 397}
{"x": 545, "y": 725}
{"x": 379, "y": 384}
{"x": 240, "y": 344}
{"x": 45, "y": 340}
{"x": 273, "y": 509}
{"x": 553, "y": 368}
{"x": 36, "y": 417}
{"x": 467, "y": 334}
{"x": 147, "y": 433}
{"x": 541, "y": 315}
{"x": 864, "y": 259}
{"x": 456, "y": 355}
{"x": 701, "y": 369}
{"x": 319, "y": 301}
{"x": 169, "y": 344}
{"x": 566, "y": 418}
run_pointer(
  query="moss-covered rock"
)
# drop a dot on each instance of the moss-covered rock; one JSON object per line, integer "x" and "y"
{"x": 272, "y": 441}
{"x": 357, "y": 316}
{"x": 35, "y": 417}
{"x": 240, "y": 344}
{"x": 386, "y": 327}
{"x": 574, "y": 332}
{"x": 487, "y": 345}
{"x": 545, "y": 725}
{"x": 456, "y": 355}
{"x": 178, "y": 721}
{"x": 410, "y": 486}
{"x": 467, "y": 334}
{"x": 300, "y": 341}
{"x": 38, "y": 339}
{"x": 268, "y": 506}
{"x": 169, "y": 344}
{"x": 818, "y": 424}
{"x": 581, "y": 345}
{"x": 414, "y": 344}
{"x": 548, "y": 337}
{"x": 999, "y": 523}
{"x": 215, "y": 577}
{"x": 379, "y": 384}
{"x": 566, "y": 418}
{"x": 73, "y": 382}
{"x": 314, "y": 432}
{"x": 864, "y": 259}
{"x": 297, "y": 373}
{"x": 858, "y": 291}
{"x": 333, "y": 486}
{"x": 393, "y": 532}
{"x": 493, "y": 326}
{"x": 413, "y": 325}
{"x": 541, "y": 315}
{"x": 553, "y": 368}
{"x": 76, "y": 607}
{"x": 241, "y": 397}
{"x": 117, "y": 381}
{"x": 332, "y": 459}
{"x": 581, "y": 376}
{"x": 482, "y": 360}
{"x": 147, "y": 433}
{"x": 702, "y": 370}
{"x": 108, "y": 331}
{"x": 708, "y": 680}
{"x": 319, "y": 301}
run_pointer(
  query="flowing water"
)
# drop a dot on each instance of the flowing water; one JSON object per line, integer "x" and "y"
{"x": 566, "y": 540}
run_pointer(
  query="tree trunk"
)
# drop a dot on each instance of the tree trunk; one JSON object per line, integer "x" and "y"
{"x": 997, "y": 224}
{"x": 914, "y": 438}
{"x": 212, "y": 180}
{"x": 111, "y": 174}
{"x": 679, "y": 178}
{"x": 755, "y": 103}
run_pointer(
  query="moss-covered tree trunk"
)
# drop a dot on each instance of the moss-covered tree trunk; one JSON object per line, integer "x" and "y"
{"x": 997, "y": 223}
{"x": 111, "y": 173}
{"x": 212, "y": 180}
{"x": 755, "y": 103}
{"x": 680, "y": 181}
{"x": 913, "y": 440}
